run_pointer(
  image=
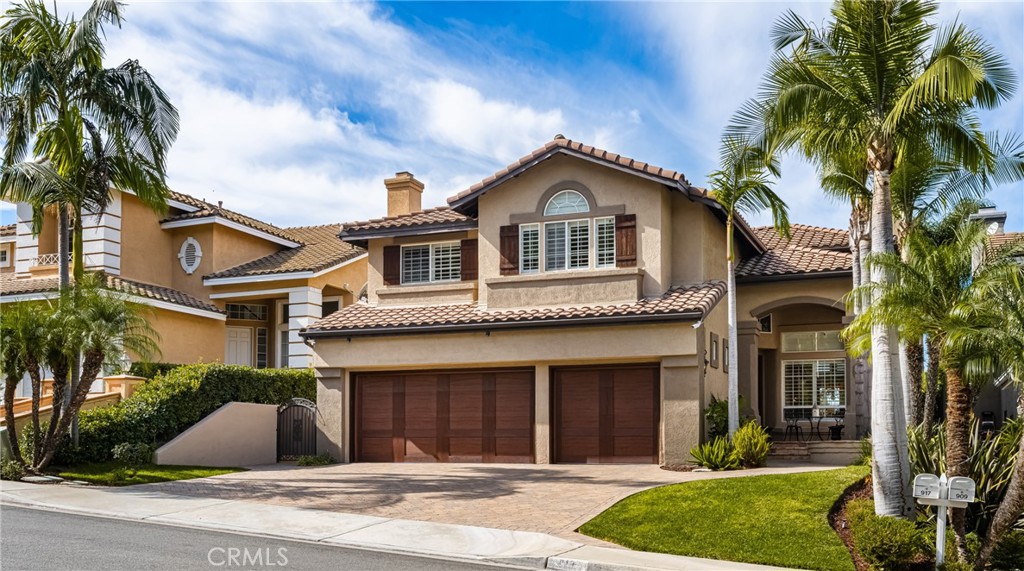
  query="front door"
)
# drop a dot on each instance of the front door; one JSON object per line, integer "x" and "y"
{"x": 239, "y": 346}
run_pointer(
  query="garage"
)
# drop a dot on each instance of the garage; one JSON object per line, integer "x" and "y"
{"x": 453, "y": 416}
{"x": 606, "y": 414}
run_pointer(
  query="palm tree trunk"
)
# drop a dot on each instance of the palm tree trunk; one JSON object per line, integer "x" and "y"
{"x": 906, "y": 381}
{"x": 854, "y": 235}
{"x": 915, "y": 370}
{"x": 931, "y": 385}
{"x": 863, "y": 251}
{"x": 91, "y": 368}
{"x": 734, "y": 384}
{"x": 9, "y": 387}
{"x": 63, "y": 246}
{"x": 34, "y": 374}
{"x": 78, "y": 269}
{"x": 1010, "y": 509}
{"x": 958, "y": 457}
{"x": 890, "y": 464}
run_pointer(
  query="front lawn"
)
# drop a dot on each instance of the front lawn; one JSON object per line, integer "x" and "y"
{"x": 772, "y": 520}
{"x": 105, "y": 473}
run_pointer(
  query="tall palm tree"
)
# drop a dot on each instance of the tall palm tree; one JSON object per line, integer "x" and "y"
{"x": 877, "y": 78}
{"x": 73, "y": 127}
{"x": 929, "y": 287}
{"x": 741, "y": 186}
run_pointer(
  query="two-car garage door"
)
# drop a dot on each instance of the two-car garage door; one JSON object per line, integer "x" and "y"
{"x": 599, "y": 414}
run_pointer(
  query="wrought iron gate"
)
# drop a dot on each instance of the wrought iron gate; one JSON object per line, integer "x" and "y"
{"x": 296, "y": 429}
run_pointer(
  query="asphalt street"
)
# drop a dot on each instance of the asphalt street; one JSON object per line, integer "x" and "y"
{"x": 51, "y": 541}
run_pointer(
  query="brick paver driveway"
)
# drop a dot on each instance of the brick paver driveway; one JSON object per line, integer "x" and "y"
{"x": 553, "y": 499}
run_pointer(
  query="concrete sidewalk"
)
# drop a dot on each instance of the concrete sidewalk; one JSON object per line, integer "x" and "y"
{"x": 519, "y": 548}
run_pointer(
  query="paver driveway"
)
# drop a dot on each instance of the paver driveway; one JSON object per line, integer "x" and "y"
{"x": 553, "y": 499}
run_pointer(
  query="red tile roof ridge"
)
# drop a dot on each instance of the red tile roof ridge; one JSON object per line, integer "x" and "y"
{"x": 397, "y": 216}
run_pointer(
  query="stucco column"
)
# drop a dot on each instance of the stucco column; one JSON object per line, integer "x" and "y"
{"x": 330, "y": 413}
{"x": 682, "y": 418}
{"x": 746, "y": 350}
{"x": 542, "y": 414}
{"x": 304, "y": 307}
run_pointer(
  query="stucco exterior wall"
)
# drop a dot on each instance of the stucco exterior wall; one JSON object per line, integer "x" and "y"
{"x": 148, "y": 253}
{"x": 9, "y": 265}
{"x": 236, "y": 434}
{"x": 413, "y": 294}
{"x": 610, "y": 187}
{"x": 187, "y": 338}
{"x": 751, "y": 296}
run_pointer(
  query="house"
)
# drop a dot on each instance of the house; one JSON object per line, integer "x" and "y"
{"x": 221, "y": 286}
{"x": 570, "y": 308}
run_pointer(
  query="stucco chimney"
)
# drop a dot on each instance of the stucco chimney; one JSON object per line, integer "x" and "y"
{"x": 993, "y": 220}
{"x": 405, "y": 194}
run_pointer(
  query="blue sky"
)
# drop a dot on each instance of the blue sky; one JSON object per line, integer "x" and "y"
{"x": 296, "y": 112}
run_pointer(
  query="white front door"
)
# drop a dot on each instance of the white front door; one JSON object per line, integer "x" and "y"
{"x": 239, "y": 346}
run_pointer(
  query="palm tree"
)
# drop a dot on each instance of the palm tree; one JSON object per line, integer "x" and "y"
{"x": 877, "y": 79}
{"x": 86, "y": 126}
{"x": 741, "y": 186}
{"x": 928, "y": 288}
{"x": 23, "y": 328}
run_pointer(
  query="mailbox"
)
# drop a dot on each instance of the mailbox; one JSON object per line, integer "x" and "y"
{"x": 961, "y": 489}
{"x": 927, "y": 486}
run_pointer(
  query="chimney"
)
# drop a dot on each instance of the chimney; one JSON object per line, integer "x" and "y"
{"x": 404, "y": 194}
{"x": 993, "y": 220}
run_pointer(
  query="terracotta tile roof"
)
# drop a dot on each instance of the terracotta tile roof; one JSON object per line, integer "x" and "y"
{"x": 432, "y": 217}
{"x": 207, "y": 210}
{"x": 8, "y": 230}
{"x": 321, "y": 249}
{"x": 795, "y": 260}
{"x": 1000, "y": 240}
{"x": 562, "y": 145}
{"x": 11, "y": 285}
{"x": 802, "y": 235}
{"x": 360, "y": 319}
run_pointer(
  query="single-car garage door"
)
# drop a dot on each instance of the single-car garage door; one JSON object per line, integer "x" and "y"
{"x": 458, "y": 416}
{"x": 606, "y": 414}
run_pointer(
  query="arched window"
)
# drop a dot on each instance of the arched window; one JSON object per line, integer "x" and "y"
{"x": 566, "y": 202}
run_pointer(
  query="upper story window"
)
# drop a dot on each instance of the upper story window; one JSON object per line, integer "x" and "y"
{"x": 247, "y": 311}
{"x": 431, "y": 263}
{"x": 811, "y": 341}
{"x": 566, "y": 202}
{"x": 567, "y": 245}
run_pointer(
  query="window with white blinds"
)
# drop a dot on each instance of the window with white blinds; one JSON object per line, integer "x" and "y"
{"x": 431, "y": 263}
{"x": 813, "y": 384}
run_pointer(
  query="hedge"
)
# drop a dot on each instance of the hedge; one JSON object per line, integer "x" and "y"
{"x": 170, "y": 403}
{"x": 150, "y": 370}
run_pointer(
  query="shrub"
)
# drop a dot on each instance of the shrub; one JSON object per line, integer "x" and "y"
{"x": 119, "y": 475}
{"x": 886, "y": 543}
{"x": 1009, "y": 553}
{"x": 716, "y": 455}
{"x": 27, "y": 438}
{"x": 318, "y": 460}
{"x": 751, "y": 445}
{"x": 164, "y": 407}
{"x": 150, "y": 370}
{"x": 865, "y": 452}
{"x": 133, "y": 455}
{"x": 955, "y": 565}
{"x": 11, "y": 470}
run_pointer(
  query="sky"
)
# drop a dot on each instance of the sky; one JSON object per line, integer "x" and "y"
{"x": 296, "y": 112}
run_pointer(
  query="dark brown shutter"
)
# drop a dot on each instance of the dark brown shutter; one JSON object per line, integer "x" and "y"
{"x": 469, "y": 260}
{"x": 510, "y": 250}
{"x": 625, "y": 240}
{"x": 392, "y": 265}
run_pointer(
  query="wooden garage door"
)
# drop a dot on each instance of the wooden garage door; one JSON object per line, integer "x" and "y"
{"x": 606, "y": 414}
{"x": 475, "y": 416}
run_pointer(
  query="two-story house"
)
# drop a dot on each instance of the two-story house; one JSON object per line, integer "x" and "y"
{"x": 221, "y": 286}
{"x": 570, "y": 308}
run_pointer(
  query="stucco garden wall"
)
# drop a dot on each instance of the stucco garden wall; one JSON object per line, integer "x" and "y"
{"x": 236, "y": 434}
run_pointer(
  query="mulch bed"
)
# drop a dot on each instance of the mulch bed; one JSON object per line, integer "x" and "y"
{"x": 680, "y": 467}
{"x": 840, "y": 523}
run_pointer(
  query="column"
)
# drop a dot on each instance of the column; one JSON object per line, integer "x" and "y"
{"x": 542, "y": 415}
{"x": 101, "y": 238}
{"x": 331, "y": 404}
{"x": 682, "y": 412}
{"x": 746, "y": 350}
{"x": 303, "y": 309}
{"x": 26, "y": 247}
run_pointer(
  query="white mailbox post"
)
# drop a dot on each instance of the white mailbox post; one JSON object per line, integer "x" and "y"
{"x": 932, "y": 490}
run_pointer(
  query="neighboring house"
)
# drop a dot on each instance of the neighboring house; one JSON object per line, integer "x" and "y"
{"x": 570, "y": 308}
{"x": 222, "y": 286}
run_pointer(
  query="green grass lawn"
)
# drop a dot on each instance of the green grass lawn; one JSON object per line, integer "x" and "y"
{"x": 103, "y": 473}
{"x": 772, "y": 520}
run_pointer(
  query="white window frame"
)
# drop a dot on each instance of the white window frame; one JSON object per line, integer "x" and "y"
{"x": 279, "y": 329}
{"x": 523, "y": 229}
{"x": 596, "y": 240}
{"x": 817, "y": 339}
{"x": 5, "y": 260}
{"x": 590, "y": 245}
{"x": 434, "y": 247}
{"x": 565, "y": 192}
{"x": 815, "y": 405}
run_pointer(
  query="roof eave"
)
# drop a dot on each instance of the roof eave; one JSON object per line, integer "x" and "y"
{"x": 356, "y": 236}
{"x": 794, "y": 276}
{"x": 469, "y": 327}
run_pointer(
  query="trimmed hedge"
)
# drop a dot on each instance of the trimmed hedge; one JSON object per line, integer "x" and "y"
{"x": 150, "y": 370}
{"x": 169, "y": 404}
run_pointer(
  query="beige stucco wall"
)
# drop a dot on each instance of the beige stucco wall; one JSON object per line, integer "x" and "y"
{"x": 9, "y": 248}
{"x": 186, "y": 338}
{"x": 698, "y": 243}
{"x": 610, "y": 187}
{"x": 148, "y": 253}
{"x": 750, "y": 296}
{"x": 609, "y": 286}
{"x": 236, "y": 434}
{"x": 416, "y": 294}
